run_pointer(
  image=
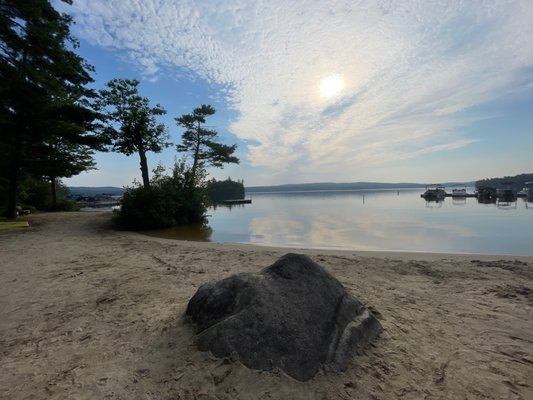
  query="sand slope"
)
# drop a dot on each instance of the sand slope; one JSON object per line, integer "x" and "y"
{"x": 90, "y": 313}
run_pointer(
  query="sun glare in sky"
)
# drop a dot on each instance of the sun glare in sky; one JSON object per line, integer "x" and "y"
{"x": 331, "y": 86}
{"x": 382, "y": 91}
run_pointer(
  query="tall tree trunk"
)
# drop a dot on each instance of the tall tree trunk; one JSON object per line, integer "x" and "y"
{"x": 144, "y": 168}
{"x": 13, "y": 179}
{"x": 54, "y": 194}
{"x": 196, "y": 155}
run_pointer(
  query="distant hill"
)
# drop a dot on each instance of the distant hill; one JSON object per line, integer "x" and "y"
{"x": 91, "y": 191}
{"x": 308, "y": 187}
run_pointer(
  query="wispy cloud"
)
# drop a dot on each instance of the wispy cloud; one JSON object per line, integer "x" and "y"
{"x": 411, "y": 68}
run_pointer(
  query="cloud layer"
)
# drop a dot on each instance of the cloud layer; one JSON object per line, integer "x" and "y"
{"x": 412, "y": 69}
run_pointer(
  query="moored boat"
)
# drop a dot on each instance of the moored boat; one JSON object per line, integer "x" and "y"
{"x": 459, "y": 191}
{"x": 486, "y": 194}
{"x": 528, "y": 191}
{"x": 434, "y": 193}
{"x": 506, "y": 194}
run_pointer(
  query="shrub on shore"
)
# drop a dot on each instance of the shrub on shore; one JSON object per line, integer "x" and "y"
{"x": 170, "y": 200}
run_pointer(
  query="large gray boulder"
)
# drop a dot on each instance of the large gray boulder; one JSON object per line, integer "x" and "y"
{"x": 292, "y": 314}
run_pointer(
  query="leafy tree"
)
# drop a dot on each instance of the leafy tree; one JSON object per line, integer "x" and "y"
{"x": 42, "y": 86}
{"x": 130, "y": 122}
{"x": 34, "y": 193}
{"x": 61, "y": 159}
{"x": 202, "y": 142}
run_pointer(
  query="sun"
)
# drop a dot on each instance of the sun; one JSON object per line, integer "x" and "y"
{"x": 331, "y": 86}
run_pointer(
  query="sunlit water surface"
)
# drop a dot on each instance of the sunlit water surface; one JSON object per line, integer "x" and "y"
{"x": 384, "y": 220}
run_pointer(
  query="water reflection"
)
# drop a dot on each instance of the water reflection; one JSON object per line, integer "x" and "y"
{"x": 437, "y": 203}
{"x": 195, "y": 232}
{"x": 228, "y": 206}
{"x": 370, "y": 220}
{"x": 342, "y": 227}
{"x": 507, "y": 205}
{"x": 482, "y": 200}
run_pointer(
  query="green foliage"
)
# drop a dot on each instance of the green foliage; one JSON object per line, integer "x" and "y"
{"x": 219, "y": 191}
{"x": 169, "y": 200}
{"x": 129, "y": 122}
{"x": 202, "y": 143}
{"x": 43, "y": 98}
{"x": 36, "y": 194}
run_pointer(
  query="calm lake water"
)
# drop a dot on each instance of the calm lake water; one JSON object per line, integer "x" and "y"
{"x": 383, "y": 220}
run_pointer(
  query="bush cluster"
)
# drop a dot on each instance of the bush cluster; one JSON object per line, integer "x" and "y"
{"x": 168, "y": 201}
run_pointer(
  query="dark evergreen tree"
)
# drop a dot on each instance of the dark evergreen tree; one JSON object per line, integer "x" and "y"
{"x": 203, "y": 143}
{"x": 42, "y": 85}
{"x": 218, "y": 191}
{"x": 130, "y": 122}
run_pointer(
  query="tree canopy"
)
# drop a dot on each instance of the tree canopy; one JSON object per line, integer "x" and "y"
{"x": 516, "y": 182}
{"x": 51, "y": 123}
{"x": 43, "y": 98}
{"x": 130, "y": 123}
{"x": 218, "y": 191}
{"x": 203, "y": 143}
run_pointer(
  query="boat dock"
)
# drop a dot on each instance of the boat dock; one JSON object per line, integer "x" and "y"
{"x": 461, "y": 195}
{"x": 482, "y": 193}
{"x": 237, "y": 201}
{"x": 455, "y": 196}
{"x": 98, "y": 204}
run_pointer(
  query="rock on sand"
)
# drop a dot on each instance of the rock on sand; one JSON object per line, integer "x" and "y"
{"x": 293, "y": 315}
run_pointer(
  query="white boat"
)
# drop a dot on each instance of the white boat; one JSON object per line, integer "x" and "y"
{"x": 459, "y": 191}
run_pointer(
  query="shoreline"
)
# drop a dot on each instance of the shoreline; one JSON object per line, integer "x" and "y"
{"x": 404, "y": 255}
{"x": 418, "y": 255}
{"x": 90, "y": 312}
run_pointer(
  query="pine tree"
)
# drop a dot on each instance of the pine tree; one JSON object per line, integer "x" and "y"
{"x": 202, "y": 142}
{"x": 42, "y": 86}
{"x": 130, "y": 122}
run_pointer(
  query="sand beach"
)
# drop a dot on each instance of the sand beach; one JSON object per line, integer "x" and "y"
{"x": 87, "y": 312}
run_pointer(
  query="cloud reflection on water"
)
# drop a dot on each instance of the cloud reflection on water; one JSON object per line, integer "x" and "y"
{"x": 363, "y": 229}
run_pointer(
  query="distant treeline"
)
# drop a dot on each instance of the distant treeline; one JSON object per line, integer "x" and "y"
{"x": 91, "y": 191}
{"x": 516, "y": 182}
{"x": 331, "y": 186}
{"x": 218, "y": 191}
{"x": 344, "y": 186}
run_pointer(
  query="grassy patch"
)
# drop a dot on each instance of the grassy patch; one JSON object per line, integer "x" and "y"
{"x": 9, "y": 224}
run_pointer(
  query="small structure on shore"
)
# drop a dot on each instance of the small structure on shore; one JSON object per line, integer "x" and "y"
{"x": 293, "y": 315}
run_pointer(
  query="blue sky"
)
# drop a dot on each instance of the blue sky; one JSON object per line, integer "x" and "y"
{"x": 313, "y": 91}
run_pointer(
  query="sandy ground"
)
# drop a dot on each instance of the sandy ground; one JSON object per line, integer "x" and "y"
{"x": 90, "y": 313}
